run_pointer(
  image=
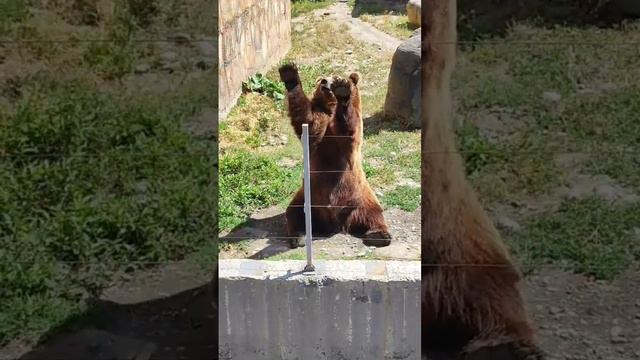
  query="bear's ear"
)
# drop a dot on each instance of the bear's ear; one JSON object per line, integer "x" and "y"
{"x": 354, "y": 78}
{"x": 319, "y": 79}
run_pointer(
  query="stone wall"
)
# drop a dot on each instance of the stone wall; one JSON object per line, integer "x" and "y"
{"x": 253, "y": 36}
{"x": 356, "y": 310}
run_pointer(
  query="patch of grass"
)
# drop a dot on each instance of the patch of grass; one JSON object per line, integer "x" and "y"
{"x": 406, "y": 198}
{"x": 92, "y": 183}
{"x": 520, "y": 165}
{"x": 301, "y": 7}
{"x": 11, "y": 12}
{"x": 606, "y": 127}
{"x": 249, "y": 182}
{"x": 116, "y": 58}
{"x": 589, "y": 236}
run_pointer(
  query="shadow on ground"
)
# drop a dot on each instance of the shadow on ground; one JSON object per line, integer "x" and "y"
{"x": 270, "y": 228}
{"x": 378, "y": 122}
{"x": 478, "y": 18}
{"x": 180, "y": 325}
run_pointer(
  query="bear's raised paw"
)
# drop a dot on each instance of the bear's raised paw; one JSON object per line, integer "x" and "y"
{"x": 289, "y": 75}
{"x": 341, "y": 89}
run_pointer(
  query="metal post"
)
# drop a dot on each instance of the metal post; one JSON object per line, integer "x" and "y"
{"x": 307, "y": 195}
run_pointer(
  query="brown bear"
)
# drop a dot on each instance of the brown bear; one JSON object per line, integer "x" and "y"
{"x": 471, "y": 305}
{"x": 341, "y": 198}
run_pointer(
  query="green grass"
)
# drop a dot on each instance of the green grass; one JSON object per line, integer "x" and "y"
{"x": 588, "y": 236}
{"x": 301, "y": 7}
{"x": 595, "y": 116}
{"x": 12, "y": 12}
{"x": 508, "y": 81}
{"x": 406, "y": 198}
{"x": 92, "y": 183}
{"x": 250, "y": 182}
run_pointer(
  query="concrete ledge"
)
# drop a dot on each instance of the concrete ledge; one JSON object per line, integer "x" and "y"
{"x": 344, "y": 310}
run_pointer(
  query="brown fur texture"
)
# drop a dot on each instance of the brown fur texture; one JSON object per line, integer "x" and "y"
{"x": 334, "y": 116}
{"x": 471, "y": 306}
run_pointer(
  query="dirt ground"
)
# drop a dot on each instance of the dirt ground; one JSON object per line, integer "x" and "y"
{"x": 266, "y": 229}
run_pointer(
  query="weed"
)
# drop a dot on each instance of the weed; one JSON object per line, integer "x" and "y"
{"x": 261, "y": 84}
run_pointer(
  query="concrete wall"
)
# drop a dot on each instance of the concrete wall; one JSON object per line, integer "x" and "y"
{"x": 351, "y": 310}
{"x": 253, "y": 36}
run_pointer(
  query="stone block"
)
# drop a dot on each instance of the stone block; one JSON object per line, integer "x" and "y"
{"x": 414, "y": 11}
{"x": 357, "y": 310}
{"x": 405, "y": 84}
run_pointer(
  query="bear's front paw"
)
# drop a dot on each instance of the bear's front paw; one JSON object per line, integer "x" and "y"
{"x": 289, "y": 76}
{"x": 341, "y": 88}
{"x": 380, "y": 238}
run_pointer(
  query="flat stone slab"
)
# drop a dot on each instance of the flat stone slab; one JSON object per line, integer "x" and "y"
{"x": 336, "y": 270}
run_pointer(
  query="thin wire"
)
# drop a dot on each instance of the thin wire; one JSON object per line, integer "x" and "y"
{"x": 329, "y": 206}
{"x": 537, "y": 43}
{"x": 38, "y": 41}
{"x": 291, "y": 237}
{"x": 198, "y": 153}
{"x": 457, "y": 42}
{"x": 524, "y": 265}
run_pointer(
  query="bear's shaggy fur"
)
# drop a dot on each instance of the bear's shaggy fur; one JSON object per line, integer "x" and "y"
{"x": 471, "y": 306}
{"x": 341, "y": 198}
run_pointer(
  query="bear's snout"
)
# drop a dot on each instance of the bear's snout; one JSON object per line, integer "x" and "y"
{"x": 326, "y": 84}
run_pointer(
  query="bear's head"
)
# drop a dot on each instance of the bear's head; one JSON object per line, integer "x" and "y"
{"x": 322, "y": 95}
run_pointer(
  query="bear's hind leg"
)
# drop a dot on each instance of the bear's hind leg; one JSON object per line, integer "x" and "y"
{"x": 295, "y": 220}
{"x": 367, "y": 222}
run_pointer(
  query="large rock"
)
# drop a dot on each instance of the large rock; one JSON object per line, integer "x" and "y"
{"x": 414, "y": 11}
{"x": 404, "y": 87}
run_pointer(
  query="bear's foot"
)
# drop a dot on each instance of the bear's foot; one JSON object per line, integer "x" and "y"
{"x": 377, "y": 238}
{"x": 341, "y": 89}
{"x": 297, "y": 242}
{"x": 510, "y": 351}
{"x": 289, "y": 76}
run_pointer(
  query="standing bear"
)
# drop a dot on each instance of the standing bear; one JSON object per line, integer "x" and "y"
{"x": 341, "y": 198}
{"x": 472, "y": 307}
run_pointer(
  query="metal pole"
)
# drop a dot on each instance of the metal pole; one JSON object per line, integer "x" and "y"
{"x": 307, "y": 194}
